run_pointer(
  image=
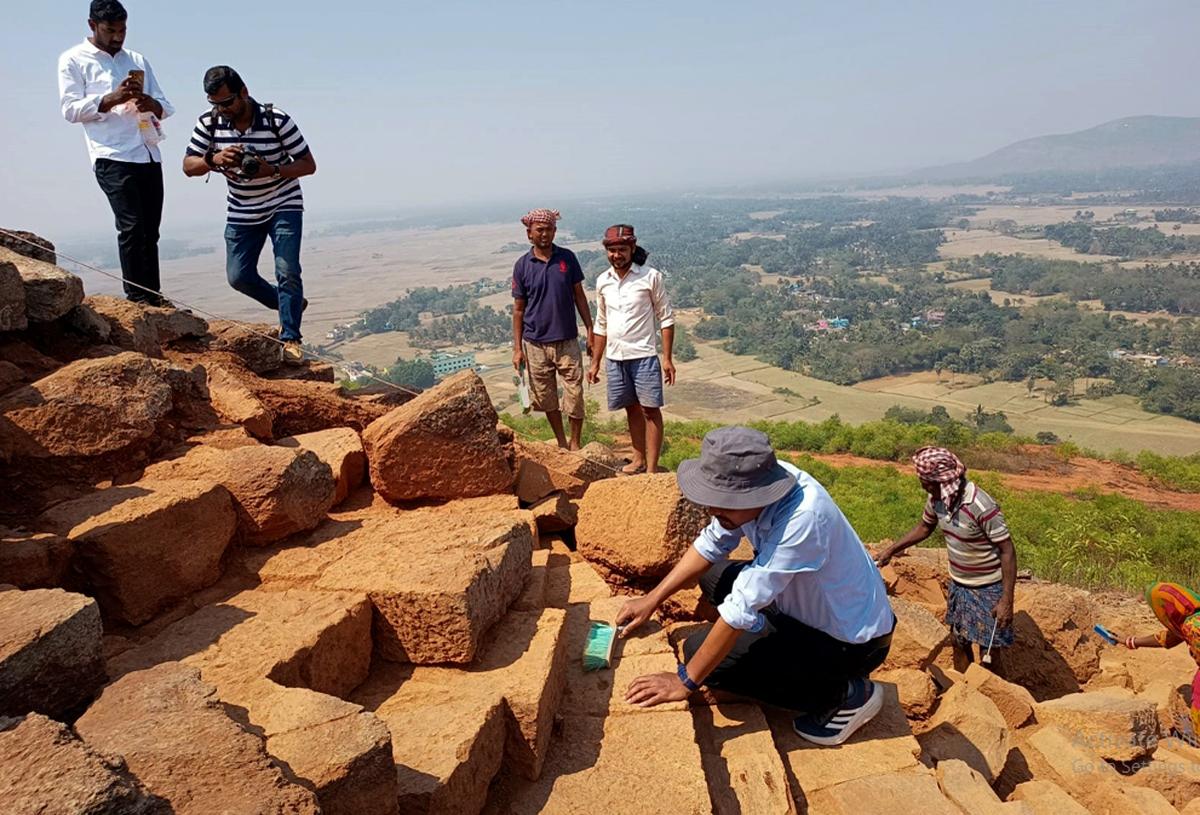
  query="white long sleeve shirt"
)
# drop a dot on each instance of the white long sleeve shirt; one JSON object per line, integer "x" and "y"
{"x": 85, "y": 75}
{"x": 626, "y": 311}
{"x": 808, "y": 561}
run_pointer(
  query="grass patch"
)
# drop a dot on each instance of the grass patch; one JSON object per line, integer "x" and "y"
{"x": 1175, "y": 472}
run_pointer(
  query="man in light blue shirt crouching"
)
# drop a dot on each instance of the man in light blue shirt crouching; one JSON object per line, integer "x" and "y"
{"x": 804, "y": 623}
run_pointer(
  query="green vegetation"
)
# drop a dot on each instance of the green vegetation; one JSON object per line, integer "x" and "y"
{"x": 1122, "y": 241}
{"x": 1174, "y": 472}
{"x": 479, "y": 326}
{"x": 416, "y": 373}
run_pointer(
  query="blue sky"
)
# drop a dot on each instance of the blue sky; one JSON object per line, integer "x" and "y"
{"x": 419, "y": 105}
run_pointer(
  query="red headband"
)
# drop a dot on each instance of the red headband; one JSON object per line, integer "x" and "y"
{"x": 620, "y": 235}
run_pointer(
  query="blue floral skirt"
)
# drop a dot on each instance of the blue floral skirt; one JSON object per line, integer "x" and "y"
{"x": 969, "y": 614}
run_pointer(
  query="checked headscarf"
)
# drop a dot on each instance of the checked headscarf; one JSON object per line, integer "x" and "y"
{"x": 939, "y": 466}
{"x": 540, "y": 216}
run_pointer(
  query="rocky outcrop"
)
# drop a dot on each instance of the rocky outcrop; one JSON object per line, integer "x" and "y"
{"x": 50, "y": 659}
{"x": 543, "y": 469}
{"x": 104, "y": 414}
{"x": 12, "y": 299}
{"x": 143, "y": 328}
{"x": 147, "y": 545}
{"x": 50, "y": 292}
{"x": 342, "y": 449}
{"x": 643, "y": 541}
{"x": 441, "y": 445}
{"x": 968, "y": 727}
{"x": 35, "y": 560}
{"x": 45, "y": 768}
{"x": 276, "y": 491}
{"x": 154, "y": 718}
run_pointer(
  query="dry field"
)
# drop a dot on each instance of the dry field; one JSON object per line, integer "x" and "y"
{"x": 964, "y": 243}
{"x": 1042, "y": 215}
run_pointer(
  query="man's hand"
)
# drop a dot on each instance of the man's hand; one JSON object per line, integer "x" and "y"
{"x": 883, "y": 556}
{"x": 1003, "y": 610}
{"x": 229, "y": 158}
{"x": 148, "y": 104}
{"x": 669, "y": 372}
{"x": 593, "y": 374}
{"x": 518, "y": 358}
{"x": 128, "y": 89}
{"x": 654, "y": 689}
{"x": 633, "y": 614}
{"x": 265, "y": 170}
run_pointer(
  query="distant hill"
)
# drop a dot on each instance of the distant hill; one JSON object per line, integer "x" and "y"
{"x": 1138, "y": 141}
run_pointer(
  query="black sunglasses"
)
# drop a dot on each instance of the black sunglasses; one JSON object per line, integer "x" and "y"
{"x": 226, "y": 103}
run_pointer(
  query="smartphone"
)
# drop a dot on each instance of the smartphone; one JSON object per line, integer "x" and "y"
{"x": 138, "y": 76}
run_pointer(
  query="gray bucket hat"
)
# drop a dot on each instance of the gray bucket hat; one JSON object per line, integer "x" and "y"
{"x": 737, "y": 469}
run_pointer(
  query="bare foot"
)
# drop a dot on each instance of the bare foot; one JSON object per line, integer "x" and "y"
{"x": 633, "y": 468}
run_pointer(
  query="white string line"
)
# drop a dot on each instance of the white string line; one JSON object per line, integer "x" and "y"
{"x": 248, "y": 327}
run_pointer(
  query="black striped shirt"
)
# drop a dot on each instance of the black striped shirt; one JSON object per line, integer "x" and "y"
{"x": 254, "y": 201}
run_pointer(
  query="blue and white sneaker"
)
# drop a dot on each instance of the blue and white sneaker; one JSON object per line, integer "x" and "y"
{"x": 864, "y": 698}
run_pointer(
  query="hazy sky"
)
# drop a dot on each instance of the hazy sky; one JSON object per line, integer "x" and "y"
{"x": 409, "y": 105}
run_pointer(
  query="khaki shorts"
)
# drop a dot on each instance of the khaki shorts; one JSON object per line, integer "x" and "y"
{"x": 546, "y": 363}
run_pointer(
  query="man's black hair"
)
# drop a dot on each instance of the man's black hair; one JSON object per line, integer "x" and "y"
{"x": 107, "y": 11}
{"x": 220, "y": 75}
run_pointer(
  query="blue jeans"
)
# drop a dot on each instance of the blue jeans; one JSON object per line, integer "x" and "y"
{"x": 243, "y": 245}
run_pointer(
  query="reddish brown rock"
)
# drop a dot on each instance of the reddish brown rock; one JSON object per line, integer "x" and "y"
{"x": 334, "y": 747}
{"x": 50, "y": 651}
{"x": 589, "y": 769}
{"x": 143, "y": 328}
{"x": 181, "y": 743}
{"x": 743, "y": 769}
{"x": 971, "y": 792}
{"x": 45, "y": 768}
{"x": 922, "y": 577}
{"x": 276, "y": 491}
{"x": 147, "y": 545}
{"x": 50, "y": 292}
{"x": 1015, "y": 703}
{"x": 28, "y": 244}
{"x": 894, "y": 792}
{"x": 545, "y": 468}
{"x": 443, "y": 444}
{"x": 30, "y": 560}
{"x": 437, "y": 577}
{"x": 1054, "y": 652}
{"x": 118, "y": 408}
{"x": 637, "y": 527}
{"x": 967, "y": 726}
{"x": 460, "y": 725}
{"x": 1117, "y": 726}
{"x": 252, "y": 343}
{"x": 342, "y": 449}
{"x": 10, "y": 376}
{"x": 883, "y": 746}
{"x": 916, "y": 690}
{"x": 236, "y": 403}
{"x": 1047, "y": 798}
{"x": 919, "y": 637}
{"x": 1174, "y": 772}
{"x": 12, "y": 299}
{"x": 555, "y": 513}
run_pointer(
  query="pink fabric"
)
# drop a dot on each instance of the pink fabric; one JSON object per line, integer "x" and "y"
{"x": 541, "y": 216}
{"x": 619, "y": 235}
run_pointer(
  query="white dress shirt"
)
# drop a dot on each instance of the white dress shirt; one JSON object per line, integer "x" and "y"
{"x": 627, "y": 308}
{"x": 85, "y": 75}
{"x": 808, "y": 561}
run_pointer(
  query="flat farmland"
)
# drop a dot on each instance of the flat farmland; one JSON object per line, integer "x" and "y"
{"x": 965, "y": 243}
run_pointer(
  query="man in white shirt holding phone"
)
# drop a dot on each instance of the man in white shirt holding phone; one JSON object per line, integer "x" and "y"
{"x": 106, "y": 88}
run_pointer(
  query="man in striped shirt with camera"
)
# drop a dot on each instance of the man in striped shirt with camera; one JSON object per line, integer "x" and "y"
{"x": 262, "y": 154}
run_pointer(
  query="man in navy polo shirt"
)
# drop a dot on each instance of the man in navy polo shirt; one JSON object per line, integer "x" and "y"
{"x": 547, "y": 288}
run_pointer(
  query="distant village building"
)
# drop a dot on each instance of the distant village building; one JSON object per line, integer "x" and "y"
{"x": 445, "y": 364}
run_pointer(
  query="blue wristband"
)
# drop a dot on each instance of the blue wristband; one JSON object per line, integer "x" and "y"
{"x": 685, "y": 679}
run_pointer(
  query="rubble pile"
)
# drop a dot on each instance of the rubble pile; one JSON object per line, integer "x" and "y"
{"x": 226, "y": 586}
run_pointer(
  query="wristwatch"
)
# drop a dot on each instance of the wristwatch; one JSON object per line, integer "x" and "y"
{"x": 275, "y": 174}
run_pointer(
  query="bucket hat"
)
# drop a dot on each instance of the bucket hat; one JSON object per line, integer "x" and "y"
{"x": 737, "y": 469}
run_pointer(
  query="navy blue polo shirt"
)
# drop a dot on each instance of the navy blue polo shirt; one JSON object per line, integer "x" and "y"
{"x": 548, "y": 289}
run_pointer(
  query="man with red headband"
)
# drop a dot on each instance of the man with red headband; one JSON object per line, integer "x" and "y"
{"x": 983, "y": 561}
{"x": 631, "y": 306}
{"x": 547, "y": 289}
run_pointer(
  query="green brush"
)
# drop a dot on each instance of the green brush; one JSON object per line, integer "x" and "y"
{"x": 597, "y": 650}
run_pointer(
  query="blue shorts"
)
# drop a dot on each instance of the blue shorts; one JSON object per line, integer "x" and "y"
{"x": 634, "y": 382}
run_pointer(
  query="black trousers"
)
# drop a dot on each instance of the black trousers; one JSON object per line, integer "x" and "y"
{"x": 135, "y": 192}
{"x": 787, "y": 664}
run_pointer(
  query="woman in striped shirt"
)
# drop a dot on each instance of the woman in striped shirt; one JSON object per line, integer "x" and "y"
{"x": 983, "y": 562}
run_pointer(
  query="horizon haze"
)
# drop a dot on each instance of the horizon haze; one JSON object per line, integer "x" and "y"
{"x": 467, "y": 103}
